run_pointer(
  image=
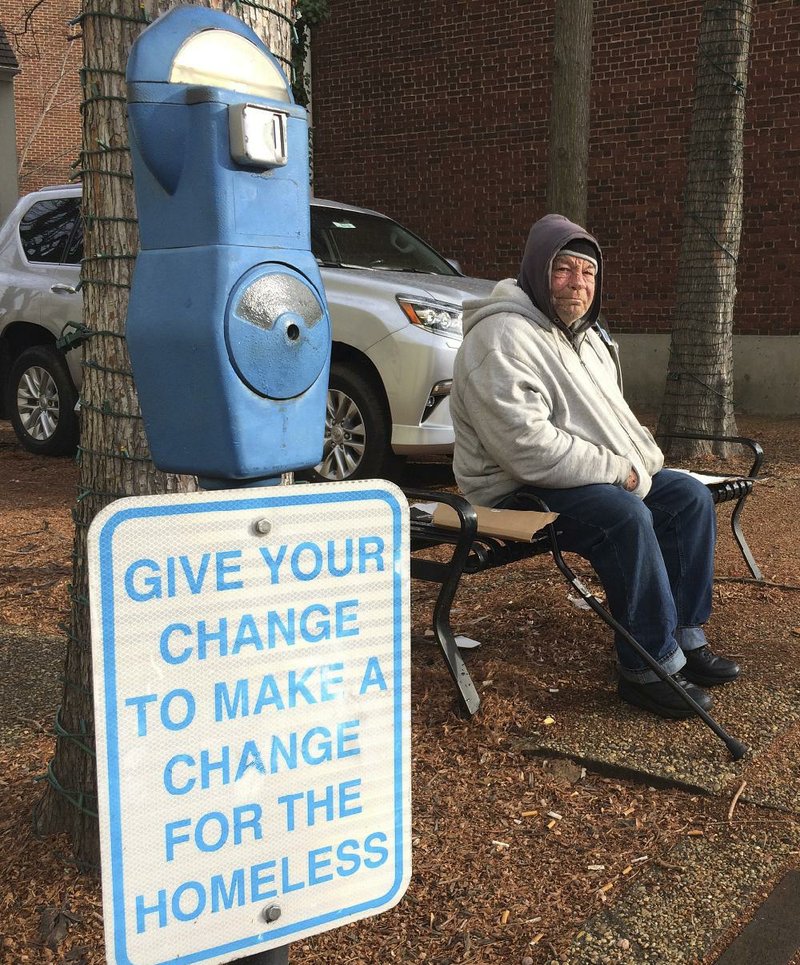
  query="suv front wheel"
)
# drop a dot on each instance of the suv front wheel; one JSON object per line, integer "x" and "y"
{"x": 357, "y": 429}
{"x": 41, "y": 402}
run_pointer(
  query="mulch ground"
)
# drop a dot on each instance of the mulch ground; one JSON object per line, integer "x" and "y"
{"x": 511, "y": 853}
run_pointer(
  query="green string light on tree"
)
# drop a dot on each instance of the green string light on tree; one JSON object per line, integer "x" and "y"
{"x": 102, "y": 85}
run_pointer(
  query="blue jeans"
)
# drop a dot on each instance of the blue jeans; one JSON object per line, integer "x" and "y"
{"x": 654, "y": 558}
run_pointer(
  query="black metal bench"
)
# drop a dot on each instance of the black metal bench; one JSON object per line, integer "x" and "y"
{"x": 474, "y": 551}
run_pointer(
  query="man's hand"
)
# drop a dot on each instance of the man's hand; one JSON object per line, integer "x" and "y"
{"x": 632, "y": 481}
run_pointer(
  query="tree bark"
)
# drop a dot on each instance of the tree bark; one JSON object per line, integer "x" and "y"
{"x": 113, "y": 453}
{"x": 699, "y": 389}
{"x": 568, "y": 161}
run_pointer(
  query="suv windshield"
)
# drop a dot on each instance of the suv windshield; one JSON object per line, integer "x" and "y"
{"x": 354, "y": 239}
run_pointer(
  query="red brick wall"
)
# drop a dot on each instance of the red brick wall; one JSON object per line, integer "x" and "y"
{"x": 436, "y": 112}
{"x": 770, "y": 257}
{"x": 47, "y": 90}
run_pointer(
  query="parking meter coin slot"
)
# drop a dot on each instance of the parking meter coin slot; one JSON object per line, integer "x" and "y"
{"x": 277, "y": 332}
{"x": 257, "y": 136}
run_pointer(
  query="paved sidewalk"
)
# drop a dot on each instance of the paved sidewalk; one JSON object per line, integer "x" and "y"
{"x": 689, "y": 908}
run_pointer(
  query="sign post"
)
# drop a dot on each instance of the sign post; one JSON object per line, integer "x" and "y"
{"x": 251, "y": 675}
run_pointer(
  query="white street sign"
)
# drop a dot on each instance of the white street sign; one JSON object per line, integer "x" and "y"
{"x": 251, "y": 679}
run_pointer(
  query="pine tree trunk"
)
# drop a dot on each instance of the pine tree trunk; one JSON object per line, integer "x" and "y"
{"x": 113, "y": 453}
{"x": 699, "y": 389}
{"x": 568, "y": 163}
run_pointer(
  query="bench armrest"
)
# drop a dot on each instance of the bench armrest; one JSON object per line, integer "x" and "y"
{"x": 467, "y": 516}
{"x": 751, "y": 444}
{"x": 467, "y": 520}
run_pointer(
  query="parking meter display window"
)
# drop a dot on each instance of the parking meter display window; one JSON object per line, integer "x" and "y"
{"x": 267, "y": 298}
{"x": 219, "y": 58}
{"x": 275, "y": 341}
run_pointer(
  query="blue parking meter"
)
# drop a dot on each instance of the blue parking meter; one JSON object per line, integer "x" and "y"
{"x": 227, "y": 327}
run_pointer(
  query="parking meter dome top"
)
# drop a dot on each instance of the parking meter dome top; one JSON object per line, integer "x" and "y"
{"x": 197, "y": 46}
{"x": 219, "y": 58}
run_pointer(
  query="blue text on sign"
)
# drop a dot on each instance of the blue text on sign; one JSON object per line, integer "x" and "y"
{"x": 147, "y": 579}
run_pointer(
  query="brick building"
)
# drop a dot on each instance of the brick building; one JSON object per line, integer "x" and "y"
{"x": 47, "y": 94}
{"x": 8, "y": 133}
{"x": 436, "y": 112}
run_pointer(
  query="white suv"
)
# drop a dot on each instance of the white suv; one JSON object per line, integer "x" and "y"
{"x": 395, "y": 307}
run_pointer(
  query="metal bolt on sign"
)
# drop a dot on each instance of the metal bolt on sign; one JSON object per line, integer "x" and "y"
{"x": 271, "y": 913}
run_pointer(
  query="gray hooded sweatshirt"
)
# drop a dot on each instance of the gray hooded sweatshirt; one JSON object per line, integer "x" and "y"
{"x": 535, "y": 402}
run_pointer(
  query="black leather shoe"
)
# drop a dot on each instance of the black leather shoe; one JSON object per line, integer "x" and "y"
{"x": 705, "y": 668}
{"x": 659, "y": 698}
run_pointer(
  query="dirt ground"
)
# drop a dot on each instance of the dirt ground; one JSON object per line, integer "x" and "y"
{"x": 473, "y": 898}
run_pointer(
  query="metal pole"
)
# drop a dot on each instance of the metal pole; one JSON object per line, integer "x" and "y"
{"x": 275, "y": 956}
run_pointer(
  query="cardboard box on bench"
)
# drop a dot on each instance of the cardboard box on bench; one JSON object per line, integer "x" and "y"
{"x": 515, "y": 524}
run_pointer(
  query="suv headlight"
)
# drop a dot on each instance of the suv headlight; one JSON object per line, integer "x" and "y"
{"x": 437, "y": 317}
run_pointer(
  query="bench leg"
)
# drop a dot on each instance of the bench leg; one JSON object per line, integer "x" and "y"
{"x": 449, "y": 577}
{"x": 468, "y": 698}
{"x": 738, "y": 535}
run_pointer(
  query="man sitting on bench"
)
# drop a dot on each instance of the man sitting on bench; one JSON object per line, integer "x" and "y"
{"x": 538, "y": 411}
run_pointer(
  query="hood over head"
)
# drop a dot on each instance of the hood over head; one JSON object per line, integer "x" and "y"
{"x": 547, "y": 237}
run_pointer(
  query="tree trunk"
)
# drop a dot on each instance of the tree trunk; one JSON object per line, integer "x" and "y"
{"x": 699, "y": 389}
{"x": 568, "y": 163}
{"x": 113, "y": 454}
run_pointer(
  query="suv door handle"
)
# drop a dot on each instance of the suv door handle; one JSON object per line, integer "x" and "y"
{"x": 69, "y": 289}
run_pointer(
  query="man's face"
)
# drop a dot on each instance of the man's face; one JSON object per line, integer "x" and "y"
{"x": 571, "y": 287}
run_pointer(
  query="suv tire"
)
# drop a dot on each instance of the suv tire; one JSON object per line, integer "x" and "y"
{"x": 41, "y": 402}
{"x": 357, "y": 429}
